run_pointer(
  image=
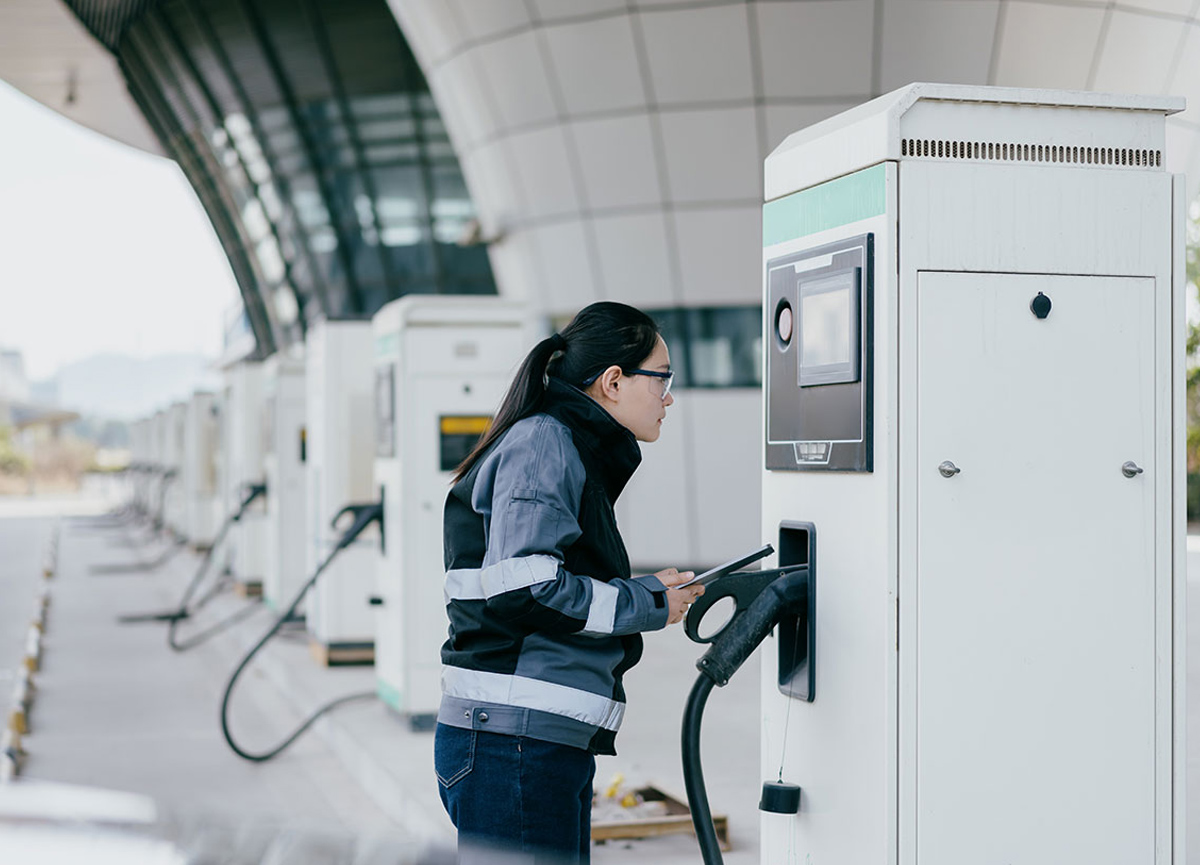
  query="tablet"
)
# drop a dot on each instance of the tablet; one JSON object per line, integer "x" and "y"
{"x": 729, "y": 567}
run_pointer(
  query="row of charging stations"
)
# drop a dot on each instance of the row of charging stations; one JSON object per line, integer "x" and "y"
{"x": 175, "y": 452}
{"x": 372, "y": 411}
{"x": 441, "y": 366}
{"x": 973, "y": 308}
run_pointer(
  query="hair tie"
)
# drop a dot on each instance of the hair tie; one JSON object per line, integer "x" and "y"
{"x": 558, "y": 343}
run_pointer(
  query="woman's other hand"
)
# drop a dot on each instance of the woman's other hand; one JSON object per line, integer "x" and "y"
{"x": 678, "y": 600}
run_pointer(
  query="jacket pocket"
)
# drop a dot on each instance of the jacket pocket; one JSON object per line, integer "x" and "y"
{"x": 453, "y": 755}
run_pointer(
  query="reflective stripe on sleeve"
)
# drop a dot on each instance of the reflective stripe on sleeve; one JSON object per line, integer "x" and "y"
{"x": 602, "y": 613}
{"x": 472, "y": 584}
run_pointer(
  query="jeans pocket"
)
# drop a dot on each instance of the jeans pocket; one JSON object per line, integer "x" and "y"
{"x": 453, "y": 755}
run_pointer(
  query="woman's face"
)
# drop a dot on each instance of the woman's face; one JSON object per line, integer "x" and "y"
{"x": 636, "y": 401}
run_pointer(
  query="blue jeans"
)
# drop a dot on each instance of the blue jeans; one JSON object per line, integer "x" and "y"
{"x": 515, "y": 794}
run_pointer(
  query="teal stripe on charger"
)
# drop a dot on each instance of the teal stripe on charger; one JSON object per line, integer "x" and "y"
{"x": 854, "y": 197}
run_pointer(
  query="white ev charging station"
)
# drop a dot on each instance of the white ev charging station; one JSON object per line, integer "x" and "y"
{"x": 158, "y": 438}
{"x": 284, "y": 454}
{"x": 141, "y": 461}
{"x": 174, "y": 499}
{"x": 155, "y": 491}
{"x": 442, "y": 365}
{"x": 974, "y": 307}
{"x": 198, "y": 470}
{"x": 339, "y": 361}
{"x": 242, "y": 465}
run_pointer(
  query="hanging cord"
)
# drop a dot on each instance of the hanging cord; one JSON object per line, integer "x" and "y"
{"x": 208, "y": 633}
{"x": 182, "y": 610}
{"x": 159, "y": 518}
{"x": 787, "y": 716}
{"x": 252, "y": 492}
{"x": 127, "y": 511}
{"x": 364, "y": 515}
{"x": 174, "y": 548}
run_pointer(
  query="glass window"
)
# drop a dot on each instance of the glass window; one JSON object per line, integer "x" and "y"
{"x": 713, "y": 347}
{"x": 275, "y": 127}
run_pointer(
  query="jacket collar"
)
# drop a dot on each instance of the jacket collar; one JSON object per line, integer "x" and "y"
{"x": 613, "y": 448}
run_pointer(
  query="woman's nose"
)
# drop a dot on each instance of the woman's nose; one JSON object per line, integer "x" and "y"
{"x": 670, "y": 399}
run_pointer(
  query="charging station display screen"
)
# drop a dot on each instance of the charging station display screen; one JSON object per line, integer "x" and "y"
{"x": 457, "y": 436}
{"x": 829, "y": 329}
{"x": 819, "y": 356}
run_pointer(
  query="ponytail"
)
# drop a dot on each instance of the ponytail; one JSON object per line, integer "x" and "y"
{"x": 601, "y": 335}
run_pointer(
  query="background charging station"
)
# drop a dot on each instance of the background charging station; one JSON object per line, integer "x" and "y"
{"x": 442, "y": 366}
{"x": 241, "y": 464}
{"x": 338, "y": 376}
{"x": 973, "y": 310}
{"x": 198, "y": 472}
{"x": 174, "y": 499}
{"x": 284, "y": 462}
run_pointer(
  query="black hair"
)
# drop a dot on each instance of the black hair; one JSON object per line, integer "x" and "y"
{"x": 599, "y": 336}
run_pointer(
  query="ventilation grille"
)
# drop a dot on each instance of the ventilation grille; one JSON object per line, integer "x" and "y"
{"x": 995, "y": 151}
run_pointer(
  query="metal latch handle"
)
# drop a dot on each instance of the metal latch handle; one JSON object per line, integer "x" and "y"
{"x": 1131, "y": 469}
{"x": 948, "y": 469}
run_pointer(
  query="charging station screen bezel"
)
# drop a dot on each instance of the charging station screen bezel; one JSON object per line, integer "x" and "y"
{"x": 819, "y": 416}
{"x": 847, "y": 282}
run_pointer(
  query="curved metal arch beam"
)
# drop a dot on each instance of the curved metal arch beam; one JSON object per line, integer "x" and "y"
{"x": 179, "y": 147}
{"x": 144, "y": 48}
{"x": 412, "y": 71}
{"x": 157, "y": 19}
{"x": 320, "y": 289}
{"x": 259, "y": 31}
{"x": 320, "y": 34}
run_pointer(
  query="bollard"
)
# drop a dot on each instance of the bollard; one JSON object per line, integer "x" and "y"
{"x": 33, "y": 650}
{"x": 25, "y": 689}
{"x": 10, "y": 742}
{"x": 11, "y": 755}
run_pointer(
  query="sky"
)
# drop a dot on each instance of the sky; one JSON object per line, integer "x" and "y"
{"x": 103, "y": 248}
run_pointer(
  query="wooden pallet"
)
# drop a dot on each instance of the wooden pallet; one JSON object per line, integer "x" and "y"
{"x": 677, "y": 820}
{"x": 248, "y": 589}
{"x": 342, "y": 654}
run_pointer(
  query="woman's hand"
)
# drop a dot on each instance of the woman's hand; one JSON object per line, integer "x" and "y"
{"x": 678, "y": 600}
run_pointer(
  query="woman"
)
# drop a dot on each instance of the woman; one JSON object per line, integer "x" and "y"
{"x": 545, "y": 617}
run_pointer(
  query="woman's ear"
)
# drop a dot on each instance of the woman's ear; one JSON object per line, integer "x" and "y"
{"x": 609, "y": 383}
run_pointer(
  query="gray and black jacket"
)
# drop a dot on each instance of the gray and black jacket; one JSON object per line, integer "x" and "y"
{"x": 544, "y": 616}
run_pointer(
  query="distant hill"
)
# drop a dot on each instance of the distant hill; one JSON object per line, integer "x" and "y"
{"x": 126, "y": 388}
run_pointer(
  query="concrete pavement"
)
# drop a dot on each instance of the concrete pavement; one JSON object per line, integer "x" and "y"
{"x": 117, "y": 709}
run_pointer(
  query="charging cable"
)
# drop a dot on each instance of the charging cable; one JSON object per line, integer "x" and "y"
{"x": 363, "y": 516}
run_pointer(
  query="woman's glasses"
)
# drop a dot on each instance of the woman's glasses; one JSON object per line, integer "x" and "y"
{"x": 667, "y": 378}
